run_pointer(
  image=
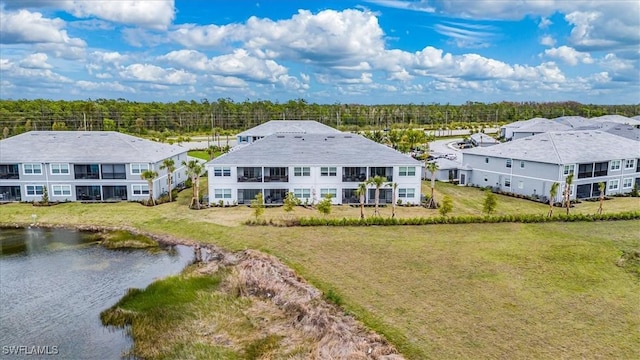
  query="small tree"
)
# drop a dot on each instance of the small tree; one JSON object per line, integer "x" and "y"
{"x": 378, "y": 182}
{"x": 567, "y": 191}
{"x": 169, "y": 165}
{"x": 45, "y": 196}
{"x": 601, "y": 188}
{"x": 490, "y": 202}
{"x": 150, "y": 176}
{"x": 394, "y": 188}
{"x": 446, "y": 206}
{"x": 324, "y": 205}
{"x": 432, "y": 167}
{"x": 635, "y": 192}
{"x": 194, "y": 170}
{"x": 362, "y": 193}
{"x": 553, "y": 192}
{"x": 257, "y": 204}
{"x": 290, "y": 201}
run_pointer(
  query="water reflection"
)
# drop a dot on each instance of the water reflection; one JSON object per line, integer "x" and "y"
{"x": 55, "y": 283}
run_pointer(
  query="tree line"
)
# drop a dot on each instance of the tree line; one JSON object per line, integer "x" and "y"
{"x": 228, "y": 116}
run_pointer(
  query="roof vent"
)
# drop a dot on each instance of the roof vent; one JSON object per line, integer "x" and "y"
{"x": 331, "y": 137}
{"x": 348, "y": 137}
{"x": 298, "y": 137}
{"x": 280, "y": 136}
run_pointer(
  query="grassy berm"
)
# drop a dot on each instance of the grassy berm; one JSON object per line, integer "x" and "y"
{"x": 474, "y": 291}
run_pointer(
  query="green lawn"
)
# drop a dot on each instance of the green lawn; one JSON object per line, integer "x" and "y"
{"x": 549, "y": 290}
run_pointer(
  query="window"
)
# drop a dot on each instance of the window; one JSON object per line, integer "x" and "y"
{"x": 521, "y": 164}
{"x": 302, "y": 193}
{"x": 486, "y": 160}
{"x": 90, "y": 171}
{"x": 569, "y": 169}
{"x": 406, "y": 193}
{"x": 222, "y": 171}
{"x": 627, "y": 183}
{"x": 613, "y": 184}
{"x": 600, "y": 169}
{"x": 333, "y": 192}
{"x": 407, "y": 171}
{"x": 114, "y": 171}
{"x": 629, "y": 163}
{"x": 615, "y": 165}
{"x": 222, "y": 193}
{"x": 328, "y": 171}
{"x": 508, "y": 163}
{"x": 139, "y": 168}
{"x": 35, "y": 190}
{"x": 9, "y": 171}
{"x": 142, "y": 189}
{"x": 61, "y": 190}
{"x": 507, "y": 183}
{"x": 585, "y": 171}
{"x": 59, "y": 169}
{"x": 32, "y": 169}
{"x": 302, "y": 171}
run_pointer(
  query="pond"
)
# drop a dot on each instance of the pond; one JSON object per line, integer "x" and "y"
{"x": 55, "y": 283}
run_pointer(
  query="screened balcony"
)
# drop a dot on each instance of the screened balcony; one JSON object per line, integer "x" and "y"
{"x": 10, "y": 193}
{"x": 275, "y": 196}
{"x": 276, "y": 174}
{"x": 385, "y": 172}
{"x": 249, "y": 174}
{"x": 9, "y": 171}
{"x": 354, "y": 174}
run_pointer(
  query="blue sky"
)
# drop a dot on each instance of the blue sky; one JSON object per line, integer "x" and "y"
{"x": 370, "y": 52}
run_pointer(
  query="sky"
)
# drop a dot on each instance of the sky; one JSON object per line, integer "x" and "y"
{"x": 336, "y": 51}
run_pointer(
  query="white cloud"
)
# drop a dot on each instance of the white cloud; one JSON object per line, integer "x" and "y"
{"x": 421, "y": 6}
{"x": 544, "y": 23}
{"x": 467, "y": 35}
{"x": 30, "y": 27}
{"x": 568, "y": 55}
{"x": 239, "y": 64}
{"x": 208, "y": 36}
{"x": 35, "y": 61}
{"x": 103, "y": 86}
{"x": 156, "y": 14}
{"x": 329, "y": 37}
{"x": 31, "y": 76}
{"x": 547, "y": 40}
{"x": 155, "y": 74}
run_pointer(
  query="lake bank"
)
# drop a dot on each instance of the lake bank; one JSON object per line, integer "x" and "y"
{"x": 281, "y": 314}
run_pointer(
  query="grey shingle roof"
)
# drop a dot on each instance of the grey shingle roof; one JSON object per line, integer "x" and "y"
{"x": 564, "y": 147}
{"x": 289, "y": 127}
{"x": 341, "y": 149}
{"x": 83, "y": 146}
{"x": 543, "y": 125}
{"x": 483, "y": 138}
{"x": 617, "y": 119}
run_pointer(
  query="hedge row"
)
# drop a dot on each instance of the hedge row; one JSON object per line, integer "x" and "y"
{"x": 520, "y": 218}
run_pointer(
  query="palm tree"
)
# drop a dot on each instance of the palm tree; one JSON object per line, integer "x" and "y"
{"x": 194, "y": 170}
{"x": 362, "y": 192}
{"x": 377, "y": 181}
{"x": 553, "y": 192}
{"x": 567, "y": 191}
{"x": 150, "y": 176}
{"x": 211, "y": 151}
{"x": 169, "y": 164}
{"x": 394, "y": 188}
{"x": 432, "y": 167}
{"x": 601, "y": 188}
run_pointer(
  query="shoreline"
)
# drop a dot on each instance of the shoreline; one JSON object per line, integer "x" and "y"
{"x": 305, "y": 313}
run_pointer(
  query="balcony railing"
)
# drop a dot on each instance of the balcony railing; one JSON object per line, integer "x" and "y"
{"x": 249, "y": 179}
{"x": 358, "y": 178}
{"x": 276, "y": 178}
